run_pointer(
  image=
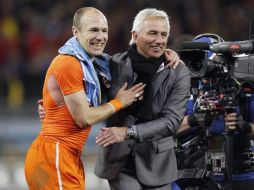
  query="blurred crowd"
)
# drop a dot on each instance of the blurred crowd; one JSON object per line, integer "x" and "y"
{"x": 31, "y": 31}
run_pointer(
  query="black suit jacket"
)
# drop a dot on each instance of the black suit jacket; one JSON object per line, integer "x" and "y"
{"x": 155, "y": 159}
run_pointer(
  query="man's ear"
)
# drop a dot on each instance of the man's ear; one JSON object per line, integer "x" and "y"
{"x": 75, "y": 32}
{"x": 134, "y": 36}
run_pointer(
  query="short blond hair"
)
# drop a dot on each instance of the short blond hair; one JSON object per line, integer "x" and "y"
{"x": 80, "y": 12}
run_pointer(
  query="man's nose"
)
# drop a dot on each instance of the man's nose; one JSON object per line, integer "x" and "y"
{"x": 160, "y": 39}
{"x": 100, "y": 35}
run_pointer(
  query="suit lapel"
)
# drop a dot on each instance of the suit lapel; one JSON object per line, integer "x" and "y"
{"x": 128, "y": 72}
{"x": 158, "y": 80}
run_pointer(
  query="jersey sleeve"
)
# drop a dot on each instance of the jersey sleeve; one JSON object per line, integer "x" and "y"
{"x": 69, "y": 75}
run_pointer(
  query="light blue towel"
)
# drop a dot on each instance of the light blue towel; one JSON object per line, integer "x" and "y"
{"x": 93, "y": 90}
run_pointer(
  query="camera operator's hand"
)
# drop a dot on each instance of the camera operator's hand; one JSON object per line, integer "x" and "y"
{"x": 231, "y": 121}
{"x": 234, "y": 121}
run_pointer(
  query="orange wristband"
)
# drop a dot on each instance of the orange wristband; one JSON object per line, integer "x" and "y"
{"x": 112, "y": 106}
{"x": 117, "y": 104}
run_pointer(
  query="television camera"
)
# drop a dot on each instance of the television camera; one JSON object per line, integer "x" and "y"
{"x": 229, "y": 78}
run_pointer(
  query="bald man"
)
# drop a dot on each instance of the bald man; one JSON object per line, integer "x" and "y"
{"x": 72, "y": 98}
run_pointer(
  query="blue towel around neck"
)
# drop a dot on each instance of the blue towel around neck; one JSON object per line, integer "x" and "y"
{"x": 90, "y": 73}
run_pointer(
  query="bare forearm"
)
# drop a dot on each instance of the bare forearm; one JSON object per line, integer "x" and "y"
{"x": 83, "y": 114}
{"x": 99, "y": 113}
{"x": 184, "y": 126}
{"x": 92, "y": 115}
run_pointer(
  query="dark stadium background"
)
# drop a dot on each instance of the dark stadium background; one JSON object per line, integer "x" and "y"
{"x": 31, "y": 31}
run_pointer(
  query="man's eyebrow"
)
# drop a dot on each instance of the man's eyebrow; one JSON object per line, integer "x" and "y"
{"x": 98, "y": 28}
{"x": 94, "y": 27}
{"x": 150, "y": 31}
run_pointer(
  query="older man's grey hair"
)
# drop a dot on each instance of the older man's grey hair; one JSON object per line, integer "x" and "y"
{"x": 142, "y": 15}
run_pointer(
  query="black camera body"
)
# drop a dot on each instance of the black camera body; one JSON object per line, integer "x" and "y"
{"x": 231, "y": 77}
{"x": 243, "y": 67}
{"x": 235, "y": 59}
{"x": 230, "y": 74}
